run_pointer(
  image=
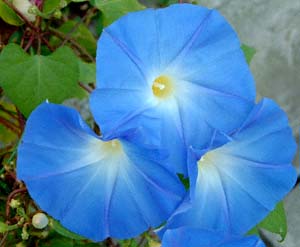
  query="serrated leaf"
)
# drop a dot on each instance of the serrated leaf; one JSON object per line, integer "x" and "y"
{"x": 9, "y": 16}
{"x": 114, "y": 9}
{"x": 80, "y": 33}
{"x": 275, "y": 222}
{"x": 87, "y": 72}
{"x": 249, "y": 52}
{"x": 63, "y": 231}
{"x": 30, "y": 80}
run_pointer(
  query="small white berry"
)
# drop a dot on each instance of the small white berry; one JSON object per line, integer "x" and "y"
{"x": 40, "y": 221}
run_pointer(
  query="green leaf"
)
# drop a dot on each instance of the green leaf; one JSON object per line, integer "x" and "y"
{"x": 50, "y": 6}
{"x": 184, "y": 180}
{"x": 63, "y": 231}
{"x": 249, "y": 52}
{"x": 56, "y": 242}
{"x": 9, "y": 16}
{"x": 114, "y": 9}
{"x": 275, "y": 222}
{"x": 80, "y": 33}
{"x": 30, "y": 80}
{"x": 6, "y": 228}
{"x": 7, "y": 111}
{"x": 129, "y": 243}
{"x": 87, "y": 72}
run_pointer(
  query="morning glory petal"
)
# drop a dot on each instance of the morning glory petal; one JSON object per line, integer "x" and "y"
{"x": 194, "y": 74}
{"x": 101, "y": 102}
{"x": 195, "y": 237}
{"x": 94, "y": 188}
{"x": 146, "y": 128}
{"x": 239, "y": 183}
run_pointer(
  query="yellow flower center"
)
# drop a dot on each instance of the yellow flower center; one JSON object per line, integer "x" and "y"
{"x": 162, "y": 87}
{"x": 113, "y": 146}
{"x": 207, "y": 159}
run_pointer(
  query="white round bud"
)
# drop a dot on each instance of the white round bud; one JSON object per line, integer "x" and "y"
{"x": 23, "y": 6}
{"x": 40, "y": 221}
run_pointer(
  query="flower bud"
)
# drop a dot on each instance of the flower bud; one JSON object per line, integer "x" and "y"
{"x": 40, "y": 221}
{"x": 24, "y": 234}
{"x": 57, "y": 14}
{"x": 23, "y": 6}
{"x": 14, "y": 203}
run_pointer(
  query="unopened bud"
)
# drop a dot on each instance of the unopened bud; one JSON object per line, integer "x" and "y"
{"x": 57, "y": 14}
{"x": 24, "y": 233}
{"x": 24, "y": 6}
{"x": 14, "y": 203}
{"x": 40, "y": 221}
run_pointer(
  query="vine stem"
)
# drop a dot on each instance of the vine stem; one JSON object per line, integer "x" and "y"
{"x": 21, "y": 120}
{"x": 2, "y": 243}
{"x": 85, "y": 87}
{"x": 76, "y": 26}
{"x": 10, "y": 197}
{"x": 110, "y": 243}
{"x": 141, "y": 242}
{"x": 73, "y": 42}
{"x": 9, "y": 125}
{"x": 47, "y": 43}
{"x": 29, "y": 43}
{"x": 9, "y": 113}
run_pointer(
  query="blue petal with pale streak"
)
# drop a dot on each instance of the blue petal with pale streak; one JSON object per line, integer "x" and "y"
{"x": 195, "y": 237}
{"x": 156, "y": 124}
{"x": 90, "y": 187}
{"x": 109, "y": 107}
{"x": 213, "y": 85}
{"x": 239, "y": 183}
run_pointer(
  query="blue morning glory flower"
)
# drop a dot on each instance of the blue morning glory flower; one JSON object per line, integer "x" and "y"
{"x": 180, "y": 69}
{"x": 94, "y": 188}
{"x": 234, "y": 186}
{"x": 195, "y": 237}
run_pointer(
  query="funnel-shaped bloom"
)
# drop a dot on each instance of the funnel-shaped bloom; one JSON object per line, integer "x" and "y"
{"x": 94, "y": 188}
{"x": 234, "y": 186}
{"x": 195, "y": 237}
{"x": 179, "y": 69}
